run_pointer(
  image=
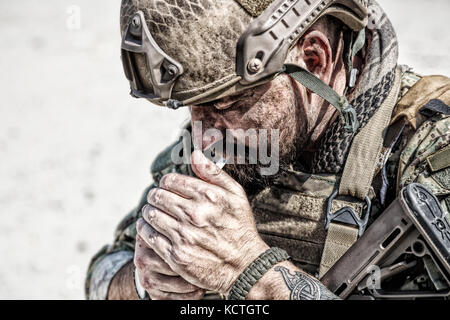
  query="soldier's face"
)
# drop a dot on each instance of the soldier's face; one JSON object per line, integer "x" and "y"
{"x": 275, "y": 105}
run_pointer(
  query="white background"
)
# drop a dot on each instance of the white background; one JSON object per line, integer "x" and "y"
{"x": 75, "y": 149}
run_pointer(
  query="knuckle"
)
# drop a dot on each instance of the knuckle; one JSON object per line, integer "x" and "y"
{"x": 139, "y": 261}
{"x": 179, "y": 229}
{"x": 210, "y": 194}
{"x": 185, "y": 208}
{"x": 154, "y": 195}
{"x": 186, "y": 183}
{"x": 179, "y": 257}
{"x": 149, "y": 214}
{"x": 158, "y": 196}
{"x": 152, "y": 235}
{"x": 149, "y": 283}
{"x": 186, "y": 239}
{"x": 169, "y": 180}
{"x": 194, "y": 217}
{"x": 146, "y": 283}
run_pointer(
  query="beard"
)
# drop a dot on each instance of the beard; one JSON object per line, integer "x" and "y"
{"x": 249, "y": 175}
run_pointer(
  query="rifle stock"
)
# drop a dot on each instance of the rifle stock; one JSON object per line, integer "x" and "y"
{"x": 412, "y": 237}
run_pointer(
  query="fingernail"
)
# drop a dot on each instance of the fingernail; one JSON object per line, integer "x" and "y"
{"x": 148, "y": 212}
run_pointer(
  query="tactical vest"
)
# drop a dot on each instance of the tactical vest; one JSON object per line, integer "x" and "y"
{"x": 293, "y": 212}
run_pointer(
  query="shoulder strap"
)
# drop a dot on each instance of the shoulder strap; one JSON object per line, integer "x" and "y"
{"x": 356, "y": 180}
{"x": 362, "y": 158}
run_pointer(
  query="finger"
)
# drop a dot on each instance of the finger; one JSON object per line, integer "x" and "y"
{"x": 161, "y": 295}
{"x": 146, "y": 259}
{"x": 154, "y": 240}
{"x": 206, "y": 170}
{"x": 161, "y": 222}
{"x": 169, "y": 202}
{"x": 185, "y": 186}
{"x": 161, "y": 282}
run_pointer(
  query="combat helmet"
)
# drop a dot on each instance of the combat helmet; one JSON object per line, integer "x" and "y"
{"x": 184, "y": 52}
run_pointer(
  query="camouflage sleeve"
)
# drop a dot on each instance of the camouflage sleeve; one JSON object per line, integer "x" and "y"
{"x": 430, "y": 143}
{"x": 111, "y": 258}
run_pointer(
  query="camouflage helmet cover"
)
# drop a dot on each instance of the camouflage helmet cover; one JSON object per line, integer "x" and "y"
{"x": 211, "y": 42}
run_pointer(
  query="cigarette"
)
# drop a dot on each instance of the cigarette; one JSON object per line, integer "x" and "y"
{"x": 221, "y": 163}
{"x": 210, "y": 152}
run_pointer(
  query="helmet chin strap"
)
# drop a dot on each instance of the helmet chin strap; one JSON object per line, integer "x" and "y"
{"x": 356, "y": 46}
{"x": 314, "y": 84}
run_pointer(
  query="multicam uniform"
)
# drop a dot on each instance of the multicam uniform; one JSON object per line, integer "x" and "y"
{"x": 290, "y": 214}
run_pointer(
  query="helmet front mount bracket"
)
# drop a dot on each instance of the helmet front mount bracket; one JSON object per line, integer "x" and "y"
{"x": 163, "y": 70}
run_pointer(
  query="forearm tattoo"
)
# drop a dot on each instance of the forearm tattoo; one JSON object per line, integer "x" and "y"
{"x": 305, "y": 287}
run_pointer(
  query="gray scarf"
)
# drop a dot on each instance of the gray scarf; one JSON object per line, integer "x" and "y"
{"x": 374, "y": 85}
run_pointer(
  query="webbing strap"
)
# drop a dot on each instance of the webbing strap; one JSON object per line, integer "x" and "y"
{"x": 359, "y": 43}
{"x": 363, "y": 156}
{"x": 358, "y": 175}
{"x": 356, "y": 47}
{"x": 314, "y": 84}
{"x": 339, "y": 239}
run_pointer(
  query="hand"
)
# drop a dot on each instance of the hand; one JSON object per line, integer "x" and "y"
{"x": 202, "y": 228}
{"x": 158, "y": 279}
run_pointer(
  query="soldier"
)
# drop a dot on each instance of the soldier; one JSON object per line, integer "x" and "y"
{"x": 355, "y": 127}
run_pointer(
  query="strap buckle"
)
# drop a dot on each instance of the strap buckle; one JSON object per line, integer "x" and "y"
{"x": 353, "y": 77}
{"x": 351, "y": 123}
{"x": 347, "y": 215}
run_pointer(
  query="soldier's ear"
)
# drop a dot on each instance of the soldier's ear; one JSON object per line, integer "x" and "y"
{"x": 316, "y": 52}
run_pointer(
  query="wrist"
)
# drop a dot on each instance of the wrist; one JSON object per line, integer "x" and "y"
{"x": 269, "y": 286}
{"x": 255, "y": 271}
{"x": 250, "y": 253}
{"x": 122, "y": 285}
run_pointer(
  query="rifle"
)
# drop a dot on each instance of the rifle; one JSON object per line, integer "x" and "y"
{"x": 404, "y": 254}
